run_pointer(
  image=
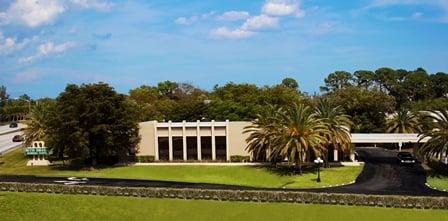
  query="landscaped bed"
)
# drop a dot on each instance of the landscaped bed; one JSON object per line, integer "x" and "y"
{"x": 41, "y": 206}
{"x": 15, "y": 163}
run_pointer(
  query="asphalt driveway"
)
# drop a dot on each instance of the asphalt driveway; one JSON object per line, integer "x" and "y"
{"x": 382, "y": 175}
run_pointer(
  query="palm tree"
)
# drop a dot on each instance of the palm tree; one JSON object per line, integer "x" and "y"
{"x": 36, "y": 125}
{"x": 437, "y": 144}
{"x": 338, "y": 125}
{"x": 262, "y": 132}
{"x": 404, "y": 121}
{"x": 300, "y": 132}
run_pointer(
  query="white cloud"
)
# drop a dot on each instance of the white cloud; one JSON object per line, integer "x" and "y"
{"x": 185, "y": 20}
{"x": 282, "y": 8}
{"x": 417, "y": 15}
{"x": 34, "y": 13}
{"x": 260, "y": 22}
{"x": 47, "y": 49}
{"x": 94, "y": 4}
{"x": 233, "y": 16}
{"x": 11, "y": 44}
{"x": 192, "y": 19}
{"x": 224, "y": 32}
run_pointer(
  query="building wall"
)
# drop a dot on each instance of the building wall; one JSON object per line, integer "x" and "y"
{"x": 147, "y": 138}
{"x": 233, "y": 131}
{"x": 237, "y": 139}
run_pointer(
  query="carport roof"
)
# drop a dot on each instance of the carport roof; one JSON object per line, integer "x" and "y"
{"x": 386, "y": 138}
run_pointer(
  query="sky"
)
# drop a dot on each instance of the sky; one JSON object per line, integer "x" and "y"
{"x": 47, "y": 44}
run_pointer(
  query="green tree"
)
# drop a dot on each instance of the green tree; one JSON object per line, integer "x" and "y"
{"x": 290, "y": 83}
{"x": 337, "y": 80}
{"x": 3, "y": 96}
{"x": 93, "y": 123}
{"x": 367, "y": 108}
{"x": 338, "y": 124}
{"x": 364, "y": 78}
{"x": 437, "y": 135}
{"x": 37, "y": 125}
{"x": 403, "y": 121}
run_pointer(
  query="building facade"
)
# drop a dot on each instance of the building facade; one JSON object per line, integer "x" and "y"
{"x": 220, "y": 141}
{"x": 193, "y": 141}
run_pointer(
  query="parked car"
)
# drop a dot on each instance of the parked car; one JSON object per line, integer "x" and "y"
{"x": 13, "y": 125}
{"x": 406, "y": 158}
{"x": 18, "y": 138}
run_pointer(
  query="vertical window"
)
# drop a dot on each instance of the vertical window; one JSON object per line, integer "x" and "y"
{"x": 221, "y": 147}
{"x": 192, "y": 148}
{"x": 178, "y": 149}
{"x": 206, "y": 148}
{"x": 164, "y": 153}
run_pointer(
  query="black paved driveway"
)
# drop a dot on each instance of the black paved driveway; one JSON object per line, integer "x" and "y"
{"x": 381, "y": 175}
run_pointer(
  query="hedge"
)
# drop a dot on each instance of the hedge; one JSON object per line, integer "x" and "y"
{"x": 239, "y": 158}
{"x": 237, "y": 195}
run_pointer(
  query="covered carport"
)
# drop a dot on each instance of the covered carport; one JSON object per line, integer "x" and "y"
{"x": 381, "y": 138}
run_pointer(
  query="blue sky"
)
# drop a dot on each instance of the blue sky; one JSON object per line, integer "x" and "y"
{"x": 45, "y": 44}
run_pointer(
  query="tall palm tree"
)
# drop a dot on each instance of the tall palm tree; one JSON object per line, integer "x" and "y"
{"x": 404, "y": 121}
{"x": 338, "y": 124}
{"x": 300, "y": 132}
{"x": 36, "y": 125}
{"x": 262, "y": 132}
{"x": 437, "y": 144}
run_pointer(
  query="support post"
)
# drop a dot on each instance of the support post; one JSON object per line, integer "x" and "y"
{"x": 400, "y": 144}
{"x": 184, "y": 141}
{"x": 335, "y": 155}
{"x": 227, "y": 141}
{"x": 198, "y": 136}
{"x": 213, "y": 141}
{"x": 170, "y": 142}
{"x": 156, "y": 142}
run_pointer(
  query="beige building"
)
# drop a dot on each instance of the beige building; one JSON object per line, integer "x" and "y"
{"x": 219, "y": 141}
{"x": 193, "y": 141}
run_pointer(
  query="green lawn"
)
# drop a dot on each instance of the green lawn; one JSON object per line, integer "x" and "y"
{"x": 440, "y": 182}
{"x": 15, "y": 163}
{"x": 41, "y": 206}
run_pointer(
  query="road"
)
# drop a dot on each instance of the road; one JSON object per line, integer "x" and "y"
{"x": 6, "y": 143}
{"x": 381, "y": 176}
{"x": 5, "y": 128}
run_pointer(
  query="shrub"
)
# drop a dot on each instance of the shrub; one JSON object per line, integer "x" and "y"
{"x": 237, "y": 195}
{"x": 239, "y": 158}
{"x": 145, "y": 159}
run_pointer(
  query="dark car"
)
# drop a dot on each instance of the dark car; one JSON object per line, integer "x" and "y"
{"x": 17, "y": 138}
{"x": 13, "y": 125}
{"x": 406, "y": 158}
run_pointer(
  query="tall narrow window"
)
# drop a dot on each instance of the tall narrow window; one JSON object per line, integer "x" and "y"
{"x": 164, "y": 153}
{"x": 192, "y": 148}
{"x": 178, "y": 149}
{"x": 221, "y": 148}
{"x": 206, "y": 148}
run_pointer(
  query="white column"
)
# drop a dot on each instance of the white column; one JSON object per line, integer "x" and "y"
{"x": 335, "y": 155}
{"x": 170, "y": 142}
{"x": 400, "y": 144}
{"x": 213, "y": 141}
{"x": 227, "y": 141}
{"x": 198, "y": 136}
{"x": 156, "y": 142}
{"x": 184, "y": 140}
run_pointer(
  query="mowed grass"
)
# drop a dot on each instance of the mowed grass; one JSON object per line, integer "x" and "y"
{"x": 15, "y": 163}
{"x": 438, "y": 181}
{"x": 42, "y": 206}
